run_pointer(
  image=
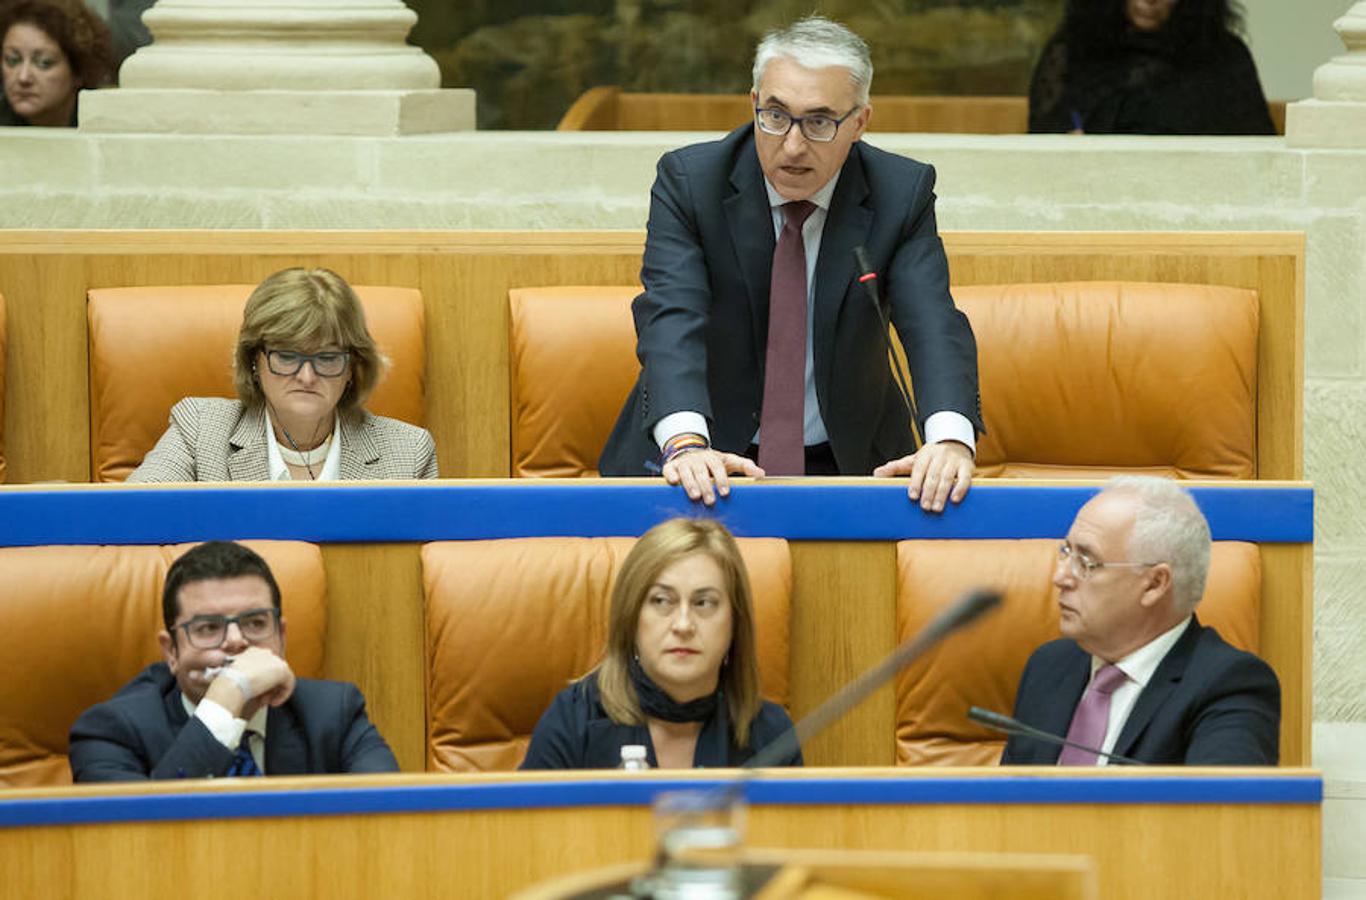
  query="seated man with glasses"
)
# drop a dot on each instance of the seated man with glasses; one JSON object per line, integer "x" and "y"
{"x": 761, "y": 349}
{"x": 224, "y": 702}
{"x": 1136, "y": 674}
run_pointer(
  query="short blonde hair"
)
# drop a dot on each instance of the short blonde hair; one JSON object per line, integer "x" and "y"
{"x": 657, "y": 549}
{"x": 301, "y": 309}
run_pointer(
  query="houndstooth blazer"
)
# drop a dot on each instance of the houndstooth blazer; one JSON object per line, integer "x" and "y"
{"x": 215, "y": 439}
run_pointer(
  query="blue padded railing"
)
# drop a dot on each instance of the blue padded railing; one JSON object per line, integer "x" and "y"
{"x": 847, "y": 509}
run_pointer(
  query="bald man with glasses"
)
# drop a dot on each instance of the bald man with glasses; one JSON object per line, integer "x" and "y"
{"x": 224, "y": 702}
{"x": 1135, "y": 672}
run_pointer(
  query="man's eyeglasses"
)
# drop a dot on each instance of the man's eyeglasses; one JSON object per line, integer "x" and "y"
{"x": 328, "y": 364}
{"x": 818, "y": 128}
{"x": 209, "y": 632}
{"x": 1081, "y": 566}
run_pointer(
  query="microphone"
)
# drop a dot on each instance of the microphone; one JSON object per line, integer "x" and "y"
{"x": 1015, "y": 726}
{"x": 868, "y": 278}
{"x": 966, "y": 609}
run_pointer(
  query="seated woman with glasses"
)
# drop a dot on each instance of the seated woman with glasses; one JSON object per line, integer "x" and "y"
{"x": 679, "y": 675}
{"x": 304, "y": 364}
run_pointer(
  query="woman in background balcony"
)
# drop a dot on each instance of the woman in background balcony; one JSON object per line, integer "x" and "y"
{"x": 51, "y": 49}
{"x": 680, "y": 673}
{"x": 304, "y": 365}
{"x": 1148, "y": 67}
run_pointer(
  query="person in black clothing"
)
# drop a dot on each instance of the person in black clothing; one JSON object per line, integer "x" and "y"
{"x": 679, "y": 674}
{"x": 1148, "y": 67}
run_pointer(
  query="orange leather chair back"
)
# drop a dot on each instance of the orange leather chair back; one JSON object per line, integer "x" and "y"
{"x": 981, "y": 666}
{"x": 81, "y": 621}
{"x": 3, "y": 344}
{"x": 512, "y": 622}
{"x": 1084, "y": 379}
{"x": 151, "y": 346}
{"x": 573, "y": 362}
{"x": 1077, "y": 379}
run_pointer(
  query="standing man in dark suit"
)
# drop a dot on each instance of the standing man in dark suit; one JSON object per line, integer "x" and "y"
{"x": 225, "y": 702}
{"x": 1136, "y": 674}
{"x": 756, "y": 339}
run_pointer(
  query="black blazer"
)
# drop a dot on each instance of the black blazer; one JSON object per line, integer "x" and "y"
{"x": 144, "y": 732}
{"x": 702, "y": 321}
{"x": 1207, "y": 704}
{"x": 576, "y": 733}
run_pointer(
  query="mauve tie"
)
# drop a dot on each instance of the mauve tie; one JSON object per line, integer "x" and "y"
{"x": 1092, "y": 717}
{"x": 781, "y": 448}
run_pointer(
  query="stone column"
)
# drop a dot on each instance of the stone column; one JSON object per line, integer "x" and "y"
{"x": 272, "y": 67}
{"x": 1336, "y": 116}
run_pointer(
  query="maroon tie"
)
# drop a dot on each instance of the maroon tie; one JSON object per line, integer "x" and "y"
{"x": 781, "y": 422}
{"x": 1092, "y": 718}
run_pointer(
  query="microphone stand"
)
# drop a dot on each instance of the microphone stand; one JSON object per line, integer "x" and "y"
{"x": 1014, "y": 726}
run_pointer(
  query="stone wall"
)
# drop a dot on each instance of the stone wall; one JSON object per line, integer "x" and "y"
{"x": 64, "y": 179}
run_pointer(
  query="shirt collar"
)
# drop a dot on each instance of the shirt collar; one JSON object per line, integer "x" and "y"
{"x": 821, "y": 198}
{"x": 1140, "y": 665}
{"x": 256, "y": 723}
{"x": 331, "y": 467}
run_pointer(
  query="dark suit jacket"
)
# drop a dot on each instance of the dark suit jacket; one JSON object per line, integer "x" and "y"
{"x": 1207, "y": 704}
{"x": 576, "y": 733}
{"x": 144, "y": 732}
{"x": 702, "y": 321}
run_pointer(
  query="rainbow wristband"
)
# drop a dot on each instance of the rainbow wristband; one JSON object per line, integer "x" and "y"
{"x": 681, "y": 443}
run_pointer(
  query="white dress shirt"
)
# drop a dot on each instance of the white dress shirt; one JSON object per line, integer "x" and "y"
{"x": 1138, "y": 668}
{"x": 331, "y": 470}
{"x": 944, "y": 425}
{"x": 227, "y": 729}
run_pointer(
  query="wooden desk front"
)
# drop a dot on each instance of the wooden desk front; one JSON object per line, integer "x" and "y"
{"x": 1155, "y": 833}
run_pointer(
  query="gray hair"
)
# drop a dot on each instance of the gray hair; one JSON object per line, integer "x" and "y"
{"x": 815, "y": 43}
{"x": 1168, "y": 527}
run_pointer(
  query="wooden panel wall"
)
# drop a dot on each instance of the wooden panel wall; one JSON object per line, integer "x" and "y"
{"x": 465, "y": 276}
{"x": 609, "y": 108}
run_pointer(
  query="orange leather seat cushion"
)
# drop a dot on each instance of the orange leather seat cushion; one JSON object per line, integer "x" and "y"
{"x": 981, "y": 665}
{"x": 152, "y": 346}
{"x": 81, "y": 621}
{"x": 573, "y": 362}
{"x": 512, "y": 622}
{"x": 1087, "y": 378}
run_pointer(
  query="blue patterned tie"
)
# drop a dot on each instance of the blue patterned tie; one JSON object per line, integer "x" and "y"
{"x": 244, "y": 764}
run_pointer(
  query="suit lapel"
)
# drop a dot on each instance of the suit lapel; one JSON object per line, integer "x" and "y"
{"x": 358, "y": 452}
{"x": 1073, "y": 674}
{"x": 1164, "y": 681}
{"x": 247, "y": 456}
{"x": 751, "y": 231}
{"x": 286, "y": 749}
{"x": 846, "y": 227}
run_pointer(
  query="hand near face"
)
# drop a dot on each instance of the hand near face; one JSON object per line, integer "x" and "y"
{"x": 270, "y": 678}
{"x": 938, "y": 472}
{"x": 703, "y": 473}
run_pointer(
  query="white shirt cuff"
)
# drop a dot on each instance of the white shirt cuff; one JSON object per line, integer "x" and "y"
{"x": 947, "y": 425}
{"x": 221, "y": 724}
{"x": 684, "y": 422}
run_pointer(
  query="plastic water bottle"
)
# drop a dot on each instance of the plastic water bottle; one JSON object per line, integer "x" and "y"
{"x": 633, "y": 758}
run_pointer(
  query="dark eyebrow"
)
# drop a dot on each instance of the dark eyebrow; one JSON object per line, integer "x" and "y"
{"x": 771, "y": 101}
